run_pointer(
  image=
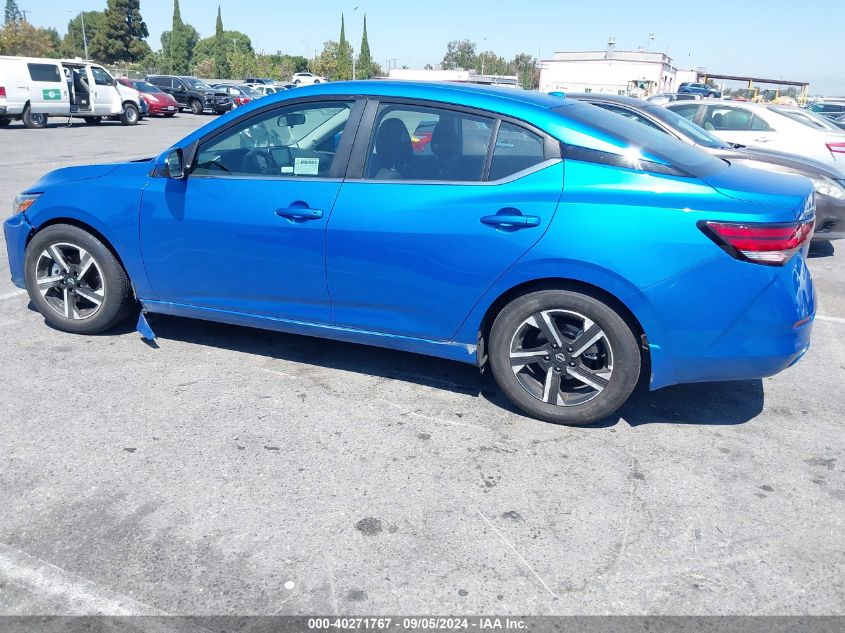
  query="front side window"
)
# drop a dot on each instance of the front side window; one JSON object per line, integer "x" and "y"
{"x": 101, "y": 77}
{"x": 44, "y": 72}
{"x": 516, "y": 150}
{"x": 295, "y": 141}
{"x": 630, "y": 114}
{"x": 423, "y": 143}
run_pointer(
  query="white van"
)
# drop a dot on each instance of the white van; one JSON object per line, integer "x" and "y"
{"x": 32, "y": 89}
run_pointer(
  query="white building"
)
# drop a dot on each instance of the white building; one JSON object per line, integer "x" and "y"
{"x": 634, "y": 73}
{"x": 464, "y": 76}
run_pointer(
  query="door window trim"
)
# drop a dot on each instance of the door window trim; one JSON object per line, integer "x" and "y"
{"x": 344, "y": 148}
{"x": 552, "y": 149}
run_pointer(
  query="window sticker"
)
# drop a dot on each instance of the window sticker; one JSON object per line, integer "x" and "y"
{"x": 306, "y": 166}
{"x": 287, "y": 169}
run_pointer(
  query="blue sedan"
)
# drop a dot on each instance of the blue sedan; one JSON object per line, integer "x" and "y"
{"x": 570, "y": 250}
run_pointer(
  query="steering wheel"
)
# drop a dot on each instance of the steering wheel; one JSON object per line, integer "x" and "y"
{"x": 260, "y": 161}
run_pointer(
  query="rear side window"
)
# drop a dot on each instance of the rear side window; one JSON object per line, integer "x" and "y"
{"x": 44, "y": 72}
{"x": 733, "y": 119}
{"x": 516, "y": 149}
{"x": 607, "y": 138}
{"x": 424, "y": 143}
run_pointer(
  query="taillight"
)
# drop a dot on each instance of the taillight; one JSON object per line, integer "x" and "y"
{"x": 836, "y": 148}
{"x": 770, "y": 244}
{"x": 3, "y": 91}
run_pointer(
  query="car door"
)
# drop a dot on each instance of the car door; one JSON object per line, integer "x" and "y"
{"x": 736, "y": 124}
{"x": 105, "y": 100}
{"x": 179, "y": 91}
{"x": 48, "y": 91}
{"x": 245, "y": 231}
{"x": 418, "y": 233}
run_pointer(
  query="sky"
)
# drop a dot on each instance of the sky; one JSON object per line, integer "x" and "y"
{"x": 778, "y": 39}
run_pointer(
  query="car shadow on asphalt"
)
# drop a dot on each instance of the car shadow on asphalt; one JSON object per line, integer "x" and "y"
{"x": 719, "y": 404}
{"x": 821, "y": 249}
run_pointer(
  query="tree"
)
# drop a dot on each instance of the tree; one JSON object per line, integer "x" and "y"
{"x": 459, "y": 54}
{"x": 327, "y": 63}
{"x": 364, "y": 69}
{"x": 221, "y": 63}
{"x": 180, "y": 43}
{"x": 489, "y": 63}
{"x": 525, "y": 66}
{"x": 73, "y": 44}
{"x": 21, "y": 38}
{"x": 122, "y": 35}
{"x": 344, "y": 55}
{"x": 233, "y": 41}
{"x": 13, "y": 13}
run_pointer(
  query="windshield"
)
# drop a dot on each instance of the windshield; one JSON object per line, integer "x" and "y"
{"x": 810, "y": 119}
{"x": 696, "y": 134}
{"x": 143, "y": 86}
{"x": 196, "y": 84}
{"x": 603, "y": 131}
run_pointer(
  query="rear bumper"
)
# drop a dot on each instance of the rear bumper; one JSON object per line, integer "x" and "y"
{"x": 16, "y": 230}
{"x": 745, "y": 321}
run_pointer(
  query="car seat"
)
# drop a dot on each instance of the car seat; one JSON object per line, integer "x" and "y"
{"x": 392, "y": 158}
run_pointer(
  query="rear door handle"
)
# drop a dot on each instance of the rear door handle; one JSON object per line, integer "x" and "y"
{"x": 510, "y": 221}
{"x": 300, "y": 214}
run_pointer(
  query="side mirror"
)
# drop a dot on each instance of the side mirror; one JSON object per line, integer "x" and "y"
{"x": 175, "y": 165}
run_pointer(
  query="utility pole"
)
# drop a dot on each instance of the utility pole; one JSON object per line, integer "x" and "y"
{"x": 84, "y": 37}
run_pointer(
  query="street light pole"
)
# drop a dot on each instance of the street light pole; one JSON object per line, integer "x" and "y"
{"x": 84, "y": 37}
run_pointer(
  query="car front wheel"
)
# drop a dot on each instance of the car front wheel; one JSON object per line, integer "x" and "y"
{"x": 75, "y": 281}
{"x": 196, "y": 107}
{"x": 130, "y": 115}
{"x": 563, "y": 356}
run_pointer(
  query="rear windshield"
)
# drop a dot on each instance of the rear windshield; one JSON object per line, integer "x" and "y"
{"x": 600, "y": 130}
{"x": 810, "y": 119}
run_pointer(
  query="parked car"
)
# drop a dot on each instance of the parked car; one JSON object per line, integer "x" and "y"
{"x": 839, "y": 122}
{"x": 828, "y": 181}
{"x": 831, "y": 109}
{"x": 583, "y": 251}
{"x": 193, "y": 94}
{"x": 240, "y": 95}
{"x": 262, "y": 90}
{"x": 157, "y": 101}
{"x": 33, "y": 89}
{"x": 306, "y": 79}
{"x": 776, "y": 127}
{"x": 667, "y": 97}
{"x": 264, "y": 81}
{"x": 699, "y": 89}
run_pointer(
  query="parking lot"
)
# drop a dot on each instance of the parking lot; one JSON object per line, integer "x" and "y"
{"x": 237, "y": 471}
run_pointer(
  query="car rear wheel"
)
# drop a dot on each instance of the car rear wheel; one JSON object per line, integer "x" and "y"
{"x": 130, "y": 114}
{"x": 563, "y": 356}
{"x": 33, "y": 121}
{"x": 196, "y": 107}
{"x": 76, "y": 283}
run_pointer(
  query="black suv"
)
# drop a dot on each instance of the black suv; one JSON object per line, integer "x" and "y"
{"x": 193, "y": 94}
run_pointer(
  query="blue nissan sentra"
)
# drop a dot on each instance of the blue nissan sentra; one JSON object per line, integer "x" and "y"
{"x": 567, "y": 248}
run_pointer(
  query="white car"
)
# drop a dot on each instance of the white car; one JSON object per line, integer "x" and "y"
{"x": 776, "y": 127}
{"x": 264, "y": 89}
{"x": 306, "y": 79}
{"x": 32, "y": 89}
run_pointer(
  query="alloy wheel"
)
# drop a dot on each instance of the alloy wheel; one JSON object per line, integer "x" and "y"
{"x": 561, "y": 357}
{"x": 70, "y": 280}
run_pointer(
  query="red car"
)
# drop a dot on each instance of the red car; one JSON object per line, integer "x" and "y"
{"x": 157, "y": 100}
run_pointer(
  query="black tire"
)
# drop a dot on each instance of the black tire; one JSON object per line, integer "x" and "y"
{"x": 33, "y": 121}
{"x": 196, "y": 106}
{"x": 130, "y": 115}
{"x": 624, "y": 358}
{"x": 4, "y": 122}
{"x": 297, "y": 82}
{"x": 117, "y": 300}
{"x": 93, "y": 120}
